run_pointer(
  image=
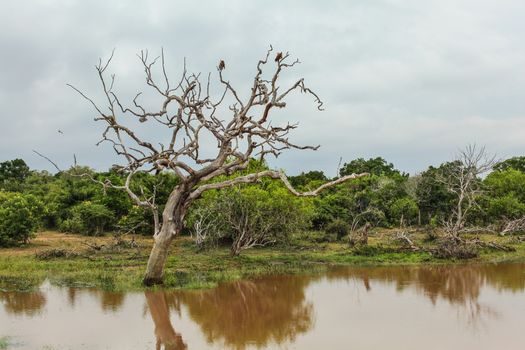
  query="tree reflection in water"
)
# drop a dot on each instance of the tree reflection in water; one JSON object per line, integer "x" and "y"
{"x": 27, "y": 303}
{"x": 256, "y": 312}
{"x": 164, "y": 332}
{"x": 274, "y": 309}
{"x": 458, "y": 285}
{"x": 109, "y": 301}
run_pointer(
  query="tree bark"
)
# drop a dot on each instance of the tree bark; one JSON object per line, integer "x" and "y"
{"x": 172, "y": 224}
{"x": 157, "y": 258}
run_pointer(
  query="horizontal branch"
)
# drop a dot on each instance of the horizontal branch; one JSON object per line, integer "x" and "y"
{"x": 252, "y": 178}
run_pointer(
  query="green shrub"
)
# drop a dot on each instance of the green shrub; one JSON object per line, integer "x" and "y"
{"x": 73, "y": 225}
{"x": 248, "y": 216}
{"x": 505, "y": 207}
{"x": 20, "y": 216}
{"x": 138, "y": 220}
{"x": 338, "y": 227}
{"x": 367, "y": 250}
{"x": 404, "y": 210}
{"x": 88, "y": 218}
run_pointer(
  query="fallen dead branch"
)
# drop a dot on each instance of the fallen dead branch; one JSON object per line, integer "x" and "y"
{"x": 492, "y": 245}
{"x": 404, "y": 237}
{"x": 94, "y": 246}
{"x": 55, "y": 253}
{"x": 451, "y": 249}
{"x": 514, "y": 226}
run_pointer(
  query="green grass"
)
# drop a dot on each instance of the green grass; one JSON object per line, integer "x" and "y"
{"x": 4, "y": 342}
{"x": 186, "y": 268}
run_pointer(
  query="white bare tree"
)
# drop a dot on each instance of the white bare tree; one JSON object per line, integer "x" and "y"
{"x": 463, "y": 180}
{"x": 189, "y": 112}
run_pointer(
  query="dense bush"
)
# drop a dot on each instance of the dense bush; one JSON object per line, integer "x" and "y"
{"x": 433, "y": 198}
{"x": 138, "y": 220}
{"x": 250, "y": 215}
{"x": 88, "y": 218}
{"x": 12, "y": 174}
{"x": 516, "y": 163}
{"x": 339, "y": 228}
{"x": 20, "y": 216}
{"x": 386, "y": 198}
{"x": 404, "y": 211}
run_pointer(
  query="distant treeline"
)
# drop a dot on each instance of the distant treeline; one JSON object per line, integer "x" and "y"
{"x": 71, "y": 201}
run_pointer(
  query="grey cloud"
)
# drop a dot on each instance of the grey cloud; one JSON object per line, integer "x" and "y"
{"x": 412, "y": 81}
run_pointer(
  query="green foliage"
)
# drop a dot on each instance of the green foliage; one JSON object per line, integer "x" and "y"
{"x": 12, "y": 174}
{"x": 433, "y": 197}
{"x": 516, "y": 163}
{"x": 314, "y": 178}
{"x": 504, "y": 198}
{"x": 250, "y": 215}
{"x": 66, "y": 193}
{"x": 162, "y": 184}
{"x": 116, "y": 200}
{"x": 374, "y": 166}
{"x": 510, "y": 181}
{"x": 504, "y": 207}
{"x": 404, "y": 210}
{"x": 137, "y": 220}
{"x": 88, "y": 218}
{"x": 339, "y": 228}
{"x": 367, "y": 199}
{"x": 20, "y": 216}
{"x": 75, "y": 203}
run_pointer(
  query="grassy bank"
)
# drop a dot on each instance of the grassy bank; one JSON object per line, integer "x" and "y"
{"x": 73, "y": 260}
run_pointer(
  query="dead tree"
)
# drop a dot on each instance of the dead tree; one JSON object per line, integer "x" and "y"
{"x": 239, "y": 125}
{"x": 202, "y": 225}
{"x": 361, "y": 237}
{"x": 513, "y": 226}
{"x": 464, "y": 182}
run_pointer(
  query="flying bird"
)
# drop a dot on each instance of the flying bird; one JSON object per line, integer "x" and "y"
{"x": 222, "y": 65}
{"x": 60, "y": 132}
{"x": 279, "y": 56}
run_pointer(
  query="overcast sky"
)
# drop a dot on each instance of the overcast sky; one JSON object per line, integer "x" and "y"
{"x": 411, "y": 81}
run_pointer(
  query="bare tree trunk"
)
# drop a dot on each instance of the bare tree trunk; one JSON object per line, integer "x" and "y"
{"x": 237, "y": 244}
{"x": 459, "y": 219}
{"x": 364, "y": 236}
{"x": 157, "y": 258}
{"x": 172, "y": 224}
{"x": 235, "y": 250}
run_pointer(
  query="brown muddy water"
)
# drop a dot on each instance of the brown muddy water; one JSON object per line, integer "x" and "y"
{"x": 454, "y": 307}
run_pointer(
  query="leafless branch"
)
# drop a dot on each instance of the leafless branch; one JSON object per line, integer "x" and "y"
{"x": 463, "y": 180}
{"x": 242, "y": 130}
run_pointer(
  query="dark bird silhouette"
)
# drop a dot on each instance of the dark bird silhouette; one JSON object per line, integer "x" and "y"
{"x": 279, "y": 56}
{"x": 60, "y": 132}
{"x": 222, "y": 65}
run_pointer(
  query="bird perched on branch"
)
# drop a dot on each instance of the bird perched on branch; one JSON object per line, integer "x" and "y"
{"x": 222, "y": 65}
{"x": 279, "y": 56}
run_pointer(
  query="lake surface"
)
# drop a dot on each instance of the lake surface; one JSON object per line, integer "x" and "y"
{"x": 453, "y": 307}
